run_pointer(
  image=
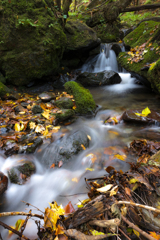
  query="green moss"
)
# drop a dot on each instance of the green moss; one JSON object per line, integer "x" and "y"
{"x": 84, "y": 101}
{"x": 32, "y": 41}
{"x": 144, "y": 32}
{"x": 3, "y": 89}
{"x": 78, "y": 35}
{"x": 107, "y": 32}
{"x": 154, "y": 75}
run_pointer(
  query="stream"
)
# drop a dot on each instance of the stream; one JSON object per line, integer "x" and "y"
{"x": 67, "y": 183}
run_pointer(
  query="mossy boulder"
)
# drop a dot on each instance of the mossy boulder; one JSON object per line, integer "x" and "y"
{"x": 108, "y": 32}
{"x": 3, "y": 89}
{"x": 80, "y": 36}
{"x": 2, "y": 79}
{"x": 64, "y": 102}
{"x": 32, "y": 41}
{"x": 145, "y": 38}
{"x": 84, "y": 101}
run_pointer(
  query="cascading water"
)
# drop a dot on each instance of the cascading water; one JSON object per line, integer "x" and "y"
{"x": 49, "y": 185}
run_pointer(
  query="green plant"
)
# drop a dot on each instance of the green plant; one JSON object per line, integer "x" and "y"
{"x": 25, "y": 22}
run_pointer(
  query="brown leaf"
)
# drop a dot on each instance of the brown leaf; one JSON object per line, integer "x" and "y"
{"x": 60, "y": 164}
{"x": 69, "y": 208}
{"x": 128, "y": 191}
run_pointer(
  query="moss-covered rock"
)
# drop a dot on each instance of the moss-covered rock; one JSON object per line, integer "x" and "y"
{"x": 3, "y": 89}
{"x": 108, "y": 32}
{"x": 65, "y": 114}
{"x": 84, "y": 101}
{"x": 31, "y": 40}
{"x": 64, "y": 102}
{"x": 145, "y": 39}
{"x": 2, "y": 79}
{"x": 80, "y": 36}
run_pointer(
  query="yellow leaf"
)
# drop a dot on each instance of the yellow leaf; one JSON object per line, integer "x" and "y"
{"x": 114, "y": 191}
{"x": 133, "y": 180}
{"x": 59, "y": 230}
{"x": 46, "y": 115}
{"x": 121, "y": 157}
{"x": 95, "y": 233}
{"x": 17, "y": 127}
{"x": 90, "y": 169}
{"x": 32, "y": 125}
{"x": 82, "y": 203}
{"x": 136, "y": 233}
{"x": 144, "y": 113}
{"x": 29, "y": 144}
{"x": 74, "y": 107}
{"x": 83, "y": 147}
{"x": 39, "y": 128}
{"x": 75, "y": 179}
{"x": 114, "y": 119}
{"x": 89, "y": 137}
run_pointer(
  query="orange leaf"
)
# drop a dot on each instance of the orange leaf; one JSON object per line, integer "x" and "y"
{"x": 69, "y": 208}
{"x": 156, "y": 236}
{"x": 52, "y": 166}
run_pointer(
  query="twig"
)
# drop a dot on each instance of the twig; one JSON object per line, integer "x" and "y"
{"x": 72, "y": 194}
{"x": 139, "y": 205}
{"x": 29, "y": 204}
{"x": 13, "y": 230}
{"x": 124, "y": 233}
{"x": 25, "y": 222}
{"x": 81, "y": 236}
{"x": 5, "y": 214}
{"x": 131, "y": 225}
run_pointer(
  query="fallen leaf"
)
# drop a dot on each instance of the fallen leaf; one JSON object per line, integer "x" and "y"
{"x": 105, "y": 188}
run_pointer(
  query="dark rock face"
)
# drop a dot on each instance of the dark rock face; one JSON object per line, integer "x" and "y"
{"x": 130, "y": 116}
{"x": 3, "y": 183}
{"x": 64, "y": 149}
{"x": 99, "y": 79}
{"x": 37, "y": 109}
{"x": 65, "y": 114}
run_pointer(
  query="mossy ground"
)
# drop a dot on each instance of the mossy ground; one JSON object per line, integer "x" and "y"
{"x": 84, "y": 101}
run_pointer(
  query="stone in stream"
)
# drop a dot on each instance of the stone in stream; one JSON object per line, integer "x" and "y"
{"x": 3, "y": 183}
{"x": 65, "y": 114}
{"x": 130, "y": 116}
{"x": 19, "y": 108}
{"x": 47, "y": 96}
{"x": 65, "y": 148}
{"x": 99, "y": 79}
{"x": 64, "y": 102}
{"x": 19, "y": 173}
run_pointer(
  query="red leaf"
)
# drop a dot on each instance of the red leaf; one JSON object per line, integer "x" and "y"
{"x": 69, "y": 208}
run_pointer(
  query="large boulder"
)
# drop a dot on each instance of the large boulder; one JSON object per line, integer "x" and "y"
{"x": 80, "y": 40}
{"x": 32, "y": 41}
{"x": 64, "y": 149}
{"x": 3, "y": 89}
{"x": 84, "y": 101}
{"x": 99, "y": 79}
{"x": 143, "y": 58}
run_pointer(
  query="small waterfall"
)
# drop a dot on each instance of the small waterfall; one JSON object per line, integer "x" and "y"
{"x": 106, "y": 60}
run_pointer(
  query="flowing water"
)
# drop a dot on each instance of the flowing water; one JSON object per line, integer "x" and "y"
{"x": 67, "y": 183}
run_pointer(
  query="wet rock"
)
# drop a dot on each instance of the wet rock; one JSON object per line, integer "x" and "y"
{"x": 116, "y": 48}
{"x": 28, "y": 144}
{"x": 13, "y": 96}
{"x": 24, "y": 104}
{"x": 64, "y": 149}
{"x": 19, "y": 108}
{"x": 3, "y": 90}
{"x": 64, "y": 102}
{"x": 37, "y": 109}
{"x": 18, "y": 174}
{"x": 99, "y": 79}
{"x": 65, "y": 114}
{"x": 130, "y": 116}
{"x": 47, "y": 96}
{"x": 10, "y": 148}
{"x": 3, "y": 183}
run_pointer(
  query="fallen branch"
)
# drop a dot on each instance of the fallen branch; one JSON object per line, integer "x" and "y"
{"x": 25, "y": 223}
{"x": 131, "y": 225}
{"x": 5, "y": 214}
{"x": 81, "y": 236}
{"x": 119, "y": 229}
{"x": 139, "y": 205}
{"x": 106, "y": 223}
{"x": 13, "y": 230}
{"x": 139, "y": 8}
